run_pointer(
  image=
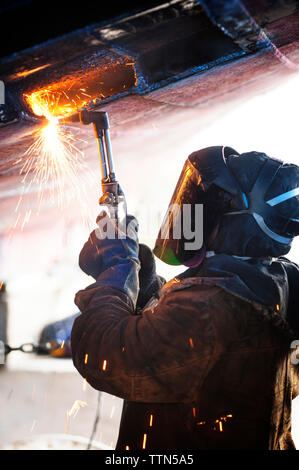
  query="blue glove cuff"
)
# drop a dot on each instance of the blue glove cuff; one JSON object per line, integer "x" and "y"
{"x": 111, "y": 256}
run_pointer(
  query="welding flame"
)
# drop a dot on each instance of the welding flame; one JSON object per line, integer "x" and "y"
{"x": 53, "y": 161}
{"x": 54, "y": 156}
{"x": 53, "y": 165}
{"x": 47, "y": 103}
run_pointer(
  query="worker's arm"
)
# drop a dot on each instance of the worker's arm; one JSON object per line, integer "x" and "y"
{"x": 292, "y": 270}
{"x": 161, "y": 355}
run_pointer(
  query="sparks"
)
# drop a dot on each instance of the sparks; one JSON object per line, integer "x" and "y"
{"x": 53, "y": 166}
{"x": 104, "y": 365}
{"x": 52, "y": 163}
{"x": 67, "y": 95}
{"x": 26, "y": 219}
{"x": 191, "y": 343}
{"x": 46, "y": 103}
{"x": 151, "y": 421}
{"x": 33, "y": 425}
{"x": 86, "y": 359}
{"x": 33, "y": 393}
{"x": 66, "y": 427}
{"x": 144, "y": 441}
{"x": 76, "y": 407}
{"x": 112, "y": 412}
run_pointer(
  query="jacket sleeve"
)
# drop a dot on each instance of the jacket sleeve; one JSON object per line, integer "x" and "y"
{"x": 292, "y": 270}
{"x": 162, "y": 355}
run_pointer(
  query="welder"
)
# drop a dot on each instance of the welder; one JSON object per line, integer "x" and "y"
{"x": 203, "y": 361}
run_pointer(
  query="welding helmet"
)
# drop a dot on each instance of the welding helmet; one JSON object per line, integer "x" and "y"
{"x": 250, "y": 206}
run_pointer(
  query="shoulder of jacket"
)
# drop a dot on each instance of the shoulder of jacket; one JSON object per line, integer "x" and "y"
{"x": 178, "y": 290}
{"x": 201, "y": 283}
{"x": 288, "y": 263}
{"x": 207, "y": 290}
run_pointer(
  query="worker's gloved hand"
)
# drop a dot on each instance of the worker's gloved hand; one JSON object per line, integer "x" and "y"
{"x": 59, "y": 331}
{"x": 108, "y": 244}
{"x": 110, "y": 255}
{"x": 149, "y": 281}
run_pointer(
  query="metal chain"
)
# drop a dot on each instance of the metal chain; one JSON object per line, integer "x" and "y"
{"x": 96, "y": 421}
{"x": 46, "y": 347}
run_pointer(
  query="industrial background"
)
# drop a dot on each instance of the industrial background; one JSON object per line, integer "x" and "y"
{"x": 173, "y": 77}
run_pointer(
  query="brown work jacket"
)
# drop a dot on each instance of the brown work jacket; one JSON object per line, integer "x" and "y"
{"x": 199, "y": 368}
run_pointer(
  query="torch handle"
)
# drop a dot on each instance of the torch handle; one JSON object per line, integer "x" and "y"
{"x": 110, "y": 187}
{"x": 99, "y": 119}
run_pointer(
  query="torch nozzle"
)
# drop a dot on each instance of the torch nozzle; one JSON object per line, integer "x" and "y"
{"x": 100, "y": 122}
{"x": 98, "y": 118}
{"x": 69, "y": 119}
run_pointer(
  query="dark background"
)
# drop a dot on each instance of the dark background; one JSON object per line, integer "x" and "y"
{"x": 25, "y": 23}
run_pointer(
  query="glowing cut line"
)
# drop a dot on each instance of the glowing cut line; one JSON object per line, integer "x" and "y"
{"x": 25, "y": 73}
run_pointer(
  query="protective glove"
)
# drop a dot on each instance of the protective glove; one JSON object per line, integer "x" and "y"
{"x": 108, "y": 244}
{"x": 149, "y": 281}
{"x": 110, "y": 255}
{"x": 59, "y": 331}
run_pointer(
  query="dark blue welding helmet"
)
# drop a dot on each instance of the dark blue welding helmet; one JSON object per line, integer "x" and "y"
{"x": 250, "y": 207}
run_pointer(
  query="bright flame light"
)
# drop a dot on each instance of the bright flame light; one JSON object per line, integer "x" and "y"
{"x": 53, "y": 160}
{"x": 46, "y": 103}
{"x": 53, "y": 165}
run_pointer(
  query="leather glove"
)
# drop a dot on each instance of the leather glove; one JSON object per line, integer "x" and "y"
{"x": 149, "y": 281}
{"x": 105, "y": 248}
{"x": 59, "y": 331}
{"x": 110, "y": 255}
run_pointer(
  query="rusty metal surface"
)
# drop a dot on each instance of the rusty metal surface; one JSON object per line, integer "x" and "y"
{"x": 243, "y": 21}
{"x": 195, "y": 99}
{"x": 159, "y": 45}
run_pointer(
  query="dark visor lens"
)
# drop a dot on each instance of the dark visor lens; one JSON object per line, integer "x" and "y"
{"x": 170, "y": 241}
